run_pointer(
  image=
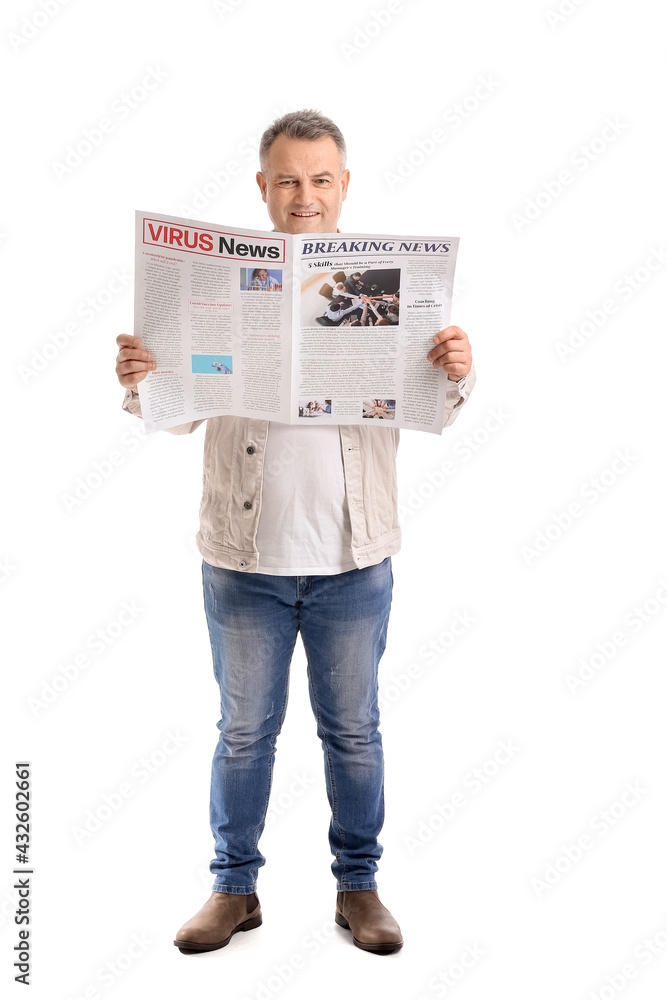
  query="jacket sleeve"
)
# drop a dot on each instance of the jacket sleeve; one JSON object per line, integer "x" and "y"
{"x": 132, "y": 404}
{"x": 457, "y": 395}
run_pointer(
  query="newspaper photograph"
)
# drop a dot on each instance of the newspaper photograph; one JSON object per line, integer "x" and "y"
{"x": 332, "y": 326}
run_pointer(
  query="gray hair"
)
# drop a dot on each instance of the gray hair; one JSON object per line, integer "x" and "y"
{"x": 307, "y": 124}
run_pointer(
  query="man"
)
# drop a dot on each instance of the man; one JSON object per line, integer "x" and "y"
{"x": 355, "y": 284}
{"x": 336, "y": 311}
{"x": 392, "y": 313}
{"x": 263, "y": 281}
{"x": 295, "y": 545}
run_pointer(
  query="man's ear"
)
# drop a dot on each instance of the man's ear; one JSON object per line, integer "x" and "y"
{"x": 261, "y": 180}
{"x": 344, "y": 181}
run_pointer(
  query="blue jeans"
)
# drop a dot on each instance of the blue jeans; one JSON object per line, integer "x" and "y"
{"x": 253, "y": 621}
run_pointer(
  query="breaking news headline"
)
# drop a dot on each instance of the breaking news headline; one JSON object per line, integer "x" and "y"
{"x": 373, "y": 246}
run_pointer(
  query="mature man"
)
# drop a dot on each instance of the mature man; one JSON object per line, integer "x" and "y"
{"x": 298, "y": 546}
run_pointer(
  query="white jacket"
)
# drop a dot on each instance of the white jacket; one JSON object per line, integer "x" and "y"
{"x": 234, "y": 449}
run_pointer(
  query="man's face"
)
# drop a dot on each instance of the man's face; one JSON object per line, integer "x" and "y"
{"x": 263, "y": 275}
{"x": 303, "y": 187}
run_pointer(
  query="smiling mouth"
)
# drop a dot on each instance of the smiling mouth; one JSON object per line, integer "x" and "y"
{"x": 304, "y": 215}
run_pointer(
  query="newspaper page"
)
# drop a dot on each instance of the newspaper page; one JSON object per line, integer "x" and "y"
{"x": 369, "y": 307}
{"x": 262, "y": 324}
{"x": 213, "y": 304}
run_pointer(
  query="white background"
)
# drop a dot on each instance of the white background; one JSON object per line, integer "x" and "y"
{"x": 472, "y": 881}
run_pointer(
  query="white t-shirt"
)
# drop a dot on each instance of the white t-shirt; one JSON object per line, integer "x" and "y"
{"x": 304, "y": 522}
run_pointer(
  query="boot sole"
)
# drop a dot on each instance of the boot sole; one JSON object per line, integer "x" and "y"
{"x": 190, "y": 947}
{"x": 380, "y": 948}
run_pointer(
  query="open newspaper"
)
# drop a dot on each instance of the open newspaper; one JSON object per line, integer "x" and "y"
{"x": 331, "y": 327}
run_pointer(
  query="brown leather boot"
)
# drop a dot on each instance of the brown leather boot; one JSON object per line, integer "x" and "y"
{"x": 372, "y": 925}
{"x": 222, "y": 915}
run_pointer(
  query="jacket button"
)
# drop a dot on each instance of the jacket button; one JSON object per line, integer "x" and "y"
{"x": 247, "y": 504}
{"x": 250, "y": 450}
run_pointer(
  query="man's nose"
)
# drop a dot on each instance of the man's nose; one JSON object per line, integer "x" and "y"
{"x": 306, "y": 197}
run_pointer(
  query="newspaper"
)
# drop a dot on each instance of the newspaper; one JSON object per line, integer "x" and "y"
{"x": 331, "y": 327}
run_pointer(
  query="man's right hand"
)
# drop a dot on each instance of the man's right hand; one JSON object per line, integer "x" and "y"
{"x": 132, "y": 362}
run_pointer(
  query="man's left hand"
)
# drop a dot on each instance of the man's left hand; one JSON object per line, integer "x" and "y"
{"x": 452, "y": 352}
